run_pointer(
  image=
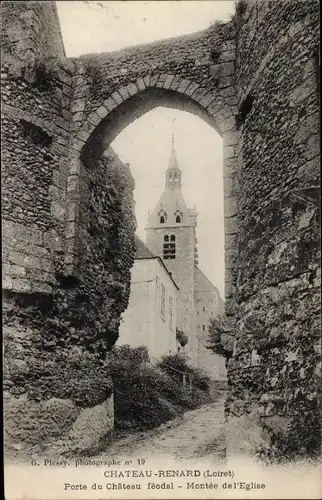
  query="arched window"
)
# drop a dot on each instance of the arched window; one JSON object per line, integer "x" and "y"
{"x": 178, "y": 219}
{"x": 162, "y": 219}
{"x": 169, "y": 249}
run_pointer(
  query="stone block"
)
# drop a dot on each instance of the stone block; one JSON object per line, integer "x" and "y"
{"x": 231, "y": 225}
{"x": 93, "y": 428}
{"x": 229, "y": 124}
{"x": 7, "y": 283}
{"x": 78, "y": 105}
{"x": 302, "y": 92}
{"x": 225, "y": 81}
{"x": 71, "y": 230}
{"x": 191, "y": 89}
{"x": 132, "y": 89}
{"x": 78, "y": 143}
{"x": 117, "y": 97}
{"x": 183, "y": 86}
{"x": 67, "y": 115}
{"x": 215, "y": 108}
{"x": 228, "y": 55}
{"x": 168, "y": 81}
{"x": 72, "y": 212}
{"x": 59, "y": 179}
{"x": 55, "y": 193}
{"x": 160, "y": 81}
{"x": 93, "y": 118}
{"x": 14, "y": 270}
{"x": 124, "y": 93}
{"x": 57, "y": 210}
{"x": 82, "y": 135}
{"x": 199, "y": 94}
{"x": 229, "y": 152}
{"x": 207, "y": 99}
{"x": 230, "y": 206}
{"x": 230, "y": 138}
{"x": 109, "y": 105}
{"x": 140, "y": 84}
{"x": 146, "y": 80}
{"x": 62, "y": 123}
{"x": 20, "y": 285}
{"x": 102, "y": 111}
{"x": 73, "y": 183}
{"x": 153, "y": 80}
{"x": 78, "y": 117}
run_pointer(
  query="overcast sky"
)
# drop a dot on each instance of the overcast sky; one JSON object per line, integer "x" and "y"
{"x": 88, "y": 27}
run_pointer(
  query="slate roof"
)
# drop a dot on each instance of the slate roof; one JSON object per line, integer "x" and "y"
{"x": 142, "y": 251}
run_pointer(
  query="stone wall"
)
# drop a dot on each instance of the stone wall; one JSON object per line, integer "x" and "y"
{"x": 194, "y": 73}
{"x": 274, "y": 374}
{"x": 68, "y": 225}
{"x": 56, "y": 340}
{"x": 30, "y": 31}
{"x": 57, "y": 327}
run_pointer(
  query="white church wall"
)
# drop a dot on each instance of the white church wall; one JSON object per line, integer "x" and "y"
{"x": 143, "y": 323}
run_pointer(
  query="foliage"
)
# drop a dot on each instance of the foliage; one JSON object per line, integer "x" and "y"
{"x": 146, "y": 396}
{"x": 300, "y": 440}
{"x": 181, "y": 337}
{"x": 241, "y": 7}
{"x": 176, "y": 364}
{"x": 221, "y": 335}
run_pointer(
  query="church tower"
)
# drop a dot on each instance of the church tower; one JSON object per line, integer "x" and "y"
{"x": 170, "y": 234}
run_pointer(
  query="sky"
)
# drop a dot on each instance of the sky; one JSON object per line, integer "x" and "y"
{"x": 93, "y": 27}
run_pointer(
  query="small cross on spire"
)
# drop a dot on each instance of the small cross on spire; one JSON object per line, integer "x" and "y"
{"x": 173, "y": 121}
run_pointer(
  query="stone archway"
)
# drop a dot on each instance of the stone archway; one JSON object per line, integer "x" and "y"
{"x": 99, "y": 127}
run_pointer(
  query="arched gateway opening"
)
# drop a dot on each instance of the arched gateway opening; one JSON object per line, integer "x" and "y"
{"x": 101, "y": 126}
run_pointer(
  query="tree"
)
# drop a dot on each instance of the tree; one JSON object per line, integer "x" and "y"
{"x": 181, "y": 337}
{"x": 221, "y": 337}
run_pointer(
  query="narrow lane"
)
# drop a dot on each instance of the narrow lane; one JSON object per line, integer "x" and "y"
{"x": 197, "y": 434}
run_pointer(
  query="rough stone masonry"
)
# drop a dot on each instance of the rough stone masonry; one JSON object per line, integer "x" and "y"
{"x": 68, "y": 229}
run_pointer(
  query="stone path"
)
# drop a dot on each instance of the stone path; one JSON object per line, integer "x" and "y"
{"x": 198, "y": 433}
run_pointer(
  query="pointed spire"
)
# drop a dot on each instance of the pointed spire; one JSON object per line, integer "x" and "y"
{"x": 173, "y": 174}
{"x": 173, "y": 132}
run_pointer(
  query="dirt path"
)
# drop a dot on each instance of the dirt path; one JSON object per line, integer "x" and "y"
{"x": 198, "y": 433}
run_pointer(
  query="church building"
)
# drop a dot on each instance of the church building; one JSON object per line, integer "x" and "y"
{"x": 171, "y": 236}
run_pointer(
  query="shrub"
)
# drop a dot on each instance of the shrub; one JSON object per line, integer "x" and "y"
{"x": 181, "y": 337}
{"x": 175, "y": 363}
{"x": 146, "y": 396}
{"x": 222, "y": 333}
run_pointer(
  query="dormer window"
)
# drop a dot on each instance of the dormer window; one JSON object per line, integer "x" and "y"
{"x": 163, "y": 216}
{"x": 178, "y": 216}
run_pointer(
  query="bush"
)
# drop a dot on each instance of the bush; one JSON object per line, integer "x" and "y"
{"x": 175, "y": 363}
{"x": 146, "y": 396}
{"x": 181, "y": 337}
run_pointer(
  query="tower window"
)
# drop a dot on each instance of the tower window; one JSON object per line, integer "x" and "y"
{"x": 162, "y": 219}
{"x": 203, "y": 327}
{"x": 178, "y": 219}
{"x": 169, "y": 249}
